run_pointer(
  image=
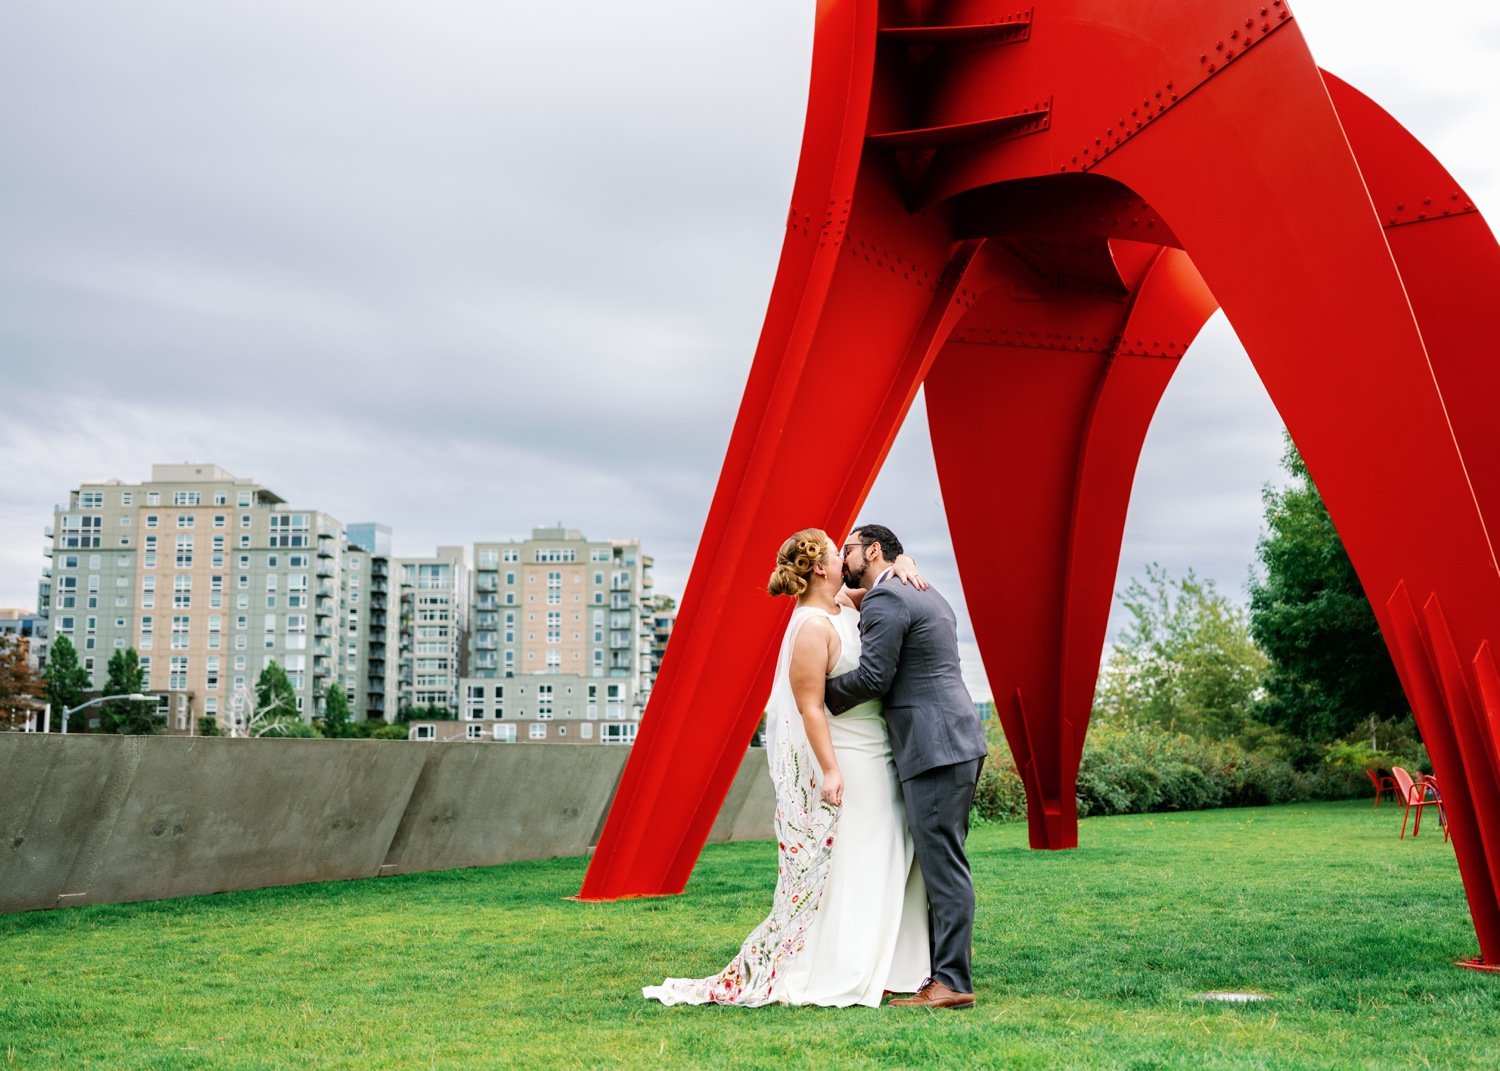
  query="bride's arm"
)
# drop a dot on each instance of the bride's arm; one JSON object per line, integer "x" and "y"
{"x": 904, "y": 569}
{"x": 812, "y": 654}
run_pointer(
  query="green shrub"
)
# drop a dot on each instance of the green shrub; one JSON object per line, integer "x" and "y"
{"x": 1139, "y": 768}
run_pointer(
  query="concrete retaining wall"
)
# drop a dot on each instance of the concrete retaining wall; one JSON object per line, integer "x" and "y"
{"x": 103, "y": 819}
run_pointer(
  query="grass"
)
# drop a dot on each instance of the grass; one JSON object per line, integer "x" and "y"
{"x": 1084, "y": 959}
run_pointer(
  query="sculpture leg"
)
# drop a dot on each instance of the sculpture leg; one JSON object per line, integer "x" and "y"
{"x": 1038, "y": 410}
{"x": 1339, "y": 349}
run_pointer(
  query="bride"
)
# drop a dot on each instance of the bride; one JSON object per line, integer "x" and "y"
{"x": 848, "y": 919}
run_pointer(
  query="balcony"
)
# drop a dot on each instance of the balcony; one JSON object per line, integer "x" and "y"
{"x": 325, "y": 591}
{"x": 325, "y": 570}
{"x": 486, "y": 641}
{"x": 487, "y": 602}
{"x": 323, "y": 608}
{"x": 326, "y": 547}
{"x": 486, "y": 582}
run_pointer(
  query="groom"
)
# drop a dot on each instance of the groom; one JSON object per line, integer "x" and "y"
{"x": 909, "y": 660}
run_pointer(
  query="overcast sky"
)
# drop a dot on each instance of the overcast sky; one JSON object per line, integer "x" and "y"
{"x": 466, "y": 268}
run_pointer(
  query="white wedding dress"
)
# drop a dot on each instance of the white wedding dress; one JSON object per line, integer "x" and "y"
{"x": 848, "y": 919}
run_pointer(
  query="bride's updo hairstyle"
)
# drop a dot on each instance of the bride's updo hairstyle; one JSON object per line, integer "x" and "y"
{"x": 794, "y": 563}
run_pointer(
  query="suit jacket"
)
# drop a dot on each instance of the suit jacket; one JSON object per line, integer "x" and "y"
{"x": 909, "y": 661}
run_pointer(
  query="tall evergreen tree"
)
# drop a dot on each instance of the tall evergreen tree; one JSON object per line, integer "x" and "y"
{"x": 275, "y": 698}
{"x": 67, "y": 681}
{"x": 132, "y": 717}
{"x": 1330, "y": 672}
{"x": 336, "y": 719}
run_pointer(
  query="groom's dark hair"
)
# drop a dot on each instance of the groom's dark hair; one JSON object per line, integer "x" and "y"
{"x": 890, "y": 546}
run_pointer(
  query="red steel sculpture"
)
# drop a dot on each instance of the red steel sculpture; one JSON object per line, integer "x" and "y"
{"x": 1032, "y": 213}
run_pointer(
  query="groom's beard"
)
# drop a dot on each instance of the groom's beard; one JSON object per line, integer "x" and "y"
{"x": 853, "y": 580}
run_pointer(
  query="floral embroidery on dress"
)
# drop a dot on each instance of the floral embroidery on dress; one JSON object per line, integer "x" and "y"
{"x": 805, "y": 829}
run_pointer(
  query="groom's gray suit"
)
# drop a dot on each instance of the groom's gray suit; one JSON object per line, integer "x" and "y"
{"x": 909, "y": 660}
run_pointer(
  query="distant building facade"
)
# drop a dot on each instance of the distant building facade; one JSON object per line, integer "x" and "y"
{"x": 434, "y": 628}
{"x": 30, "y": 629}
{"x": 210, "y": 577}
{"x": 561, "y": 642}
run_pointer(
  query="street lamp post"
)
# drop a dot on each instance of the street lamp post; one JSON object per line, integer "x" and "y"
{"x": 134, "y": 697}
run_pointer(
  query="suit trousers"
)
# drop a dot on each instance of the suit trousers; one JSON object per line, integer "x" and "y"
{"x": 937, "y": 810}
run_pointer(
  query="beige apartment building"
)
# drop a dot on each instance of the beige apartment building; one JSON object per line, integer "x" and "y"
{"x": 560, "y": 642}
{"x": 210, "y": 577}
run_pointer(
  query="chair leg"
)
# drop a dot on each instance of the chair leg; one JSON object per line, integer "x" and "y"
{"x": 1404, "y": 815}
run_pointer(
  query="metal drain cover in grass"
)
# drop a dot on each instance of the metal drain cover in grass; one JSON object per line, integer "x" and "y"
{"x": 1232, "y": 998}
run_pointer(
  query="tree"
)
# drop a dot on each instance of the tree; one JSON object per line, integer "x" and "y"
{"x": 125, "y": 677}
{"x": 275, "y": 711}
{"x": 20, "y": 688}
{"x": 1330, "y": 673}
{"x": 1185, "y": 661}
{"x": 336, "y": 720}
{"x": 67, "y": 681}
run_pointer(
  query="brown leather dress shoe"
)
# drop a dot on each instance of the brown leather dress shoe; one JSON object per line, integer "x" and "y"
{"x": 935, "y": 994}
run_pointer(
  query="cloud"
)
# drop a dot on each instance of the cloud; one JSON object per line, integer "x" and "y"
{"x": 470, "y": 268}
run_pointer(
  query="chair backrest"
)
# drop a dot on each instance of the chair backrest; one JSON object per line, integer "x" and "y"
{"x": 1404, "y": 783}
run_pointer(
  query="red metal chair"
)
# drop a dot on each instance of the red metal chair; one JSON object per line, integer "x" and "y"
{"x": 1419, "y": 794}
{"x": 1383, "y": 783}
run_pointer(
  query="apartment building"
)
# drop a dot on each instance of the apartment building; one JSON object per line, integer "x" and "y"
{"x": 371, "y": 623}
{"x": 434, "y": 628}
{"x": 210, "y": 577}
{"x": 560, "y": 647}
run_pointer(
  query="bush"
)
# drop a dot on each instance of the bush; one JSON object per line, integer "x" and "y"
{"x": 1139, "y": 768}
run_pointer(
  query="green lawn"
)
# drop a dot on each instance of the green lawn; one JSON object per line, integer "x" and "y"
{"x": 1084, "y": 959}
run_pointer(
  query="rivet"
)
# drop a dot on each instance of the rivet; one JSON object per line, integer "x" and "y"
{"x": 1219, "y": 46}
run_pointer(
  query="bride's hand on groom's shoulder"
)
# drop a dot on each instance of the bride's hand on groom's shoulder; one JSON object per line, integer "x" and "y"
{"x": 904, "y": 569}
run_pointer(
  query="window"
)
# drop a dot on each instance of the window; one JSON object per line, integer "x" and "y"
{"x": 537, "y": 731}
{"x": 211, "y": 677}
{"x": 147, "y": 624}
{"x": 184, "y": 552}
{"x": 474, "y": 701}
{"x": 290, "y": 530}
{"x": 585, "y": 731}
{"x": 150, "y": 520}
{"x": 554, "y": 658}
{"x": 475, "y": 732}
{"x": 544, "y": 702}
{"x": 127, "y": 498}
{"x": 180, "y": 632}
{"x": 177, "y": 680}
{"x": 186, "y": 520}
{"x": 599, "y": 554}
{"x": 554, "y": 626}
{"x": 186, "y": 498}
{"x": 153, "y": 498}
{"x": 617, "y": 734}
{"x": 554, "y": 589}
{"x": 424, "y": 732}
{"x": 505, "y": 734}
{"x": 511, "y": 554}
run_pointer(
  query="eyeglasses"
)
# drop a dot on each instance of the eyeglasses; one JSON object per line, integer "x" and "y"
{"x": 857, "y": 543}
